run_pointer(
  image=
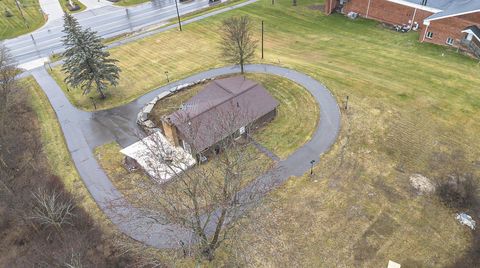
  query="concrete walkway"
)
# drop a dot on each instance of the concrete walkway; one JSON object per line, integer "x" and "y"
{"x": 93, "y": 4}
{"x": 52, "y": 9}
{"x": 83, "y": 131}
{"x": 263, "y": 150}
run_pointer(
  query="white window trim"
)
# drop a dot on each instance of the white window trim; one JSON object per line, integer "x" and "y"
{"x": 451, "y": 43}
{"x": 429, "y": 37}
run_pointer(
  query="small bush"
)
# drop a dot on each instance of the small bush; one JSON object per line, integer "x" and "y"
{"x": 7, "y": 13}
{"x": 459, "y": 192}
{"x": 52, "y": 208}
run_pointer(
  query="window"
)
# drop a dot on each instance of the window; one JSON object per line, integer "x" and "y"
{"x": 450, "y": 41}
{"x": 429, "y": 35}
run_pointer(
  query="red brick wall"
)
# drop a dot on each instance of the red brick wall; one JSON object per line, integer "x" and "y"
{"x": 450, "y": 27}
{"x": 385, "y": 11}
{"x": 330, "y": 5}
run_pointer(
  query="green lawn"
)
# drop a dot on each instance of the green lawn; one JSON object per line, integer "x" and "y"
{"x": 297, "y": 116}
{"x": 296, "y": 119}
{"x": 15, "y": 25}
{"x": 413, "y": 109}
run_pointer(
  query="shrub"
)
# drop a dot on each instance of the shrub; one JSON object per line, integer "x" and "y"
{"x": 52, "y": 208}
{"x": 7, "y": 13}
{"x": 459, "y": 192}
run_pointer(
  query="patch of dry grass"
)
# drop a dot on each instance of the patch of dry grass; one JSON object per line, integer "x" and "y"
{"x": 357, "y": 210}
{"x": 137, "y": 186}
{"x": 413, "y": 109}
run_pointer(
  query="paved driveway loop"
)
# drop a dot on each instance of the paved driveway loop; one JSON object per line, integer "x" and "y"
{"x": 83, "y": 131}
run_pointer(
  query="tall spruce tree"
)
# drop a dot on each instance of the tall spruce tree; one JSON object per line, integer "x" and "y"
{"x": 87, "y": 62}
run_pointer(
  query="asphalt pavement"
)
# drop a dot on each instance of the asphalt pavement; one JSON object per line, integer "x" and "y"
{"x": 108, "y": 21}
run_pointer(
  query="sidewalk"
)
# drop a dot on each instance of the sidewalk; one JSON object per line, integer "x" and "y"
{"x": 52, "y": 9}
{"x": 92, "y": 4}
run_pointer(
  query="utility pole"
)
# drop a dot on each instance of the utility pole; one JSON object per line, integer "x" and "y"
{"x": 21, "y": 13}
{"x": 178, "y": 16}
{"x": 128, "y": 18}
{"x": 166, "y": 74}
{"x": 262, "y": 39}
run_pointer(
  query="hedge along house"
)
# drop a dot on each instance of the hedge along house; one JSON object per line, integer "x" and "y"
{"x": 225, "y": 108}
{"x": 444, "y": 22}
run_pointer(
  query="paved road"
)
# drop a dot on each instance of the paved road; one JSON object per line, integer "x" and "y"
{"x": 108, "y": 21}
{"x": 84, "y": 130}
{"x": 94, "y": 4}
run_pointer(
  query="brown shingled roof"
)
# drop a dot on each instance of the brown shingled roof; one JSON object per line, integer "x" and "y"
{"x": 220, "y": 109}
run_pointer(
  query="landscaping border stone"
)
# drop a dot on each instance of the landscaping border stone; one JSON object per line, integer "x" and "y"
{"x": 143, "y": 116}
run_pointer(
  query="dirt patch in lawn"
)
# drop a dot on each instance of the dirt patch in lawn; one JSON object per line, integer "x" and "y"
{"x": 317, "y": 7}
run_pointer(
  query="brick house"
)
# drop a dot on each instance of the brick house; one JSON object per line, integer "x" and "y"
{"x": 444, "y": 22}
{"x": 224, "y": 108}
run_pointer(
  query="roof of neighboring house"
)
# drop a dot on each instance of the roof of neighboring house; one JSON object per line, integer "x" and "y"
{"x": 435, "y": 4}
{"x": 220, "y": 109}
{"x": 474, "y": 30}
{"x": 443, "y": 8}
{"x": 456, "y": 8}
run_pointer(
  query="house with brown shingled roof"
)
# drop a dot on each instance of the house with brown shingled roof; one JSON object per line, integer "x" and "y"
{"x": 224, "y": 108}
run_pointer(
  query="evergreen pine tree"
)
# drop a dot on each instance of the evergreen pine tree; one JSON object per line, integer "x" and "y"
{"x": 87, "y": 62}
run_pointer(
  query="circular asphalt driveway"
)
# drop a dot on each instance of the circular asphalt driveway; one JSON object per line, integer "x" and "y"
{"x": 84, "y": 131}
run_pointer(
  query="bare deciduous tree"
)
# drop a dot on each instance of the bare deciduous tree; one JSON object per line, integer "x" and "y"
{"x": 8, "y": 73}
{"x": 209, "y": 198}
{"x": 238, "y": 45}
{"x": 51, "y": 209}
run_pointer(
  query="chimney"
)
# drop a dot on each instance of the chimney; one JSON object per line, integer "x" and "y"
{"x": 170, "y": 131}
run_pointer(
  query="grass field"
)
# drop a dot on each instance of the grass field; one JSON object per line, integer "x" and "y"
{"x": 292, "y": 127}
{"x": 413, "y": 109}
{"x": 15, "y": 25}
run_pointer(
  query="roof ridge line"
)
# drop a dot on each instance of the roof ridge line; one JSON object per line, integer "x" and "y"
{"x": 220, "y": 103}
{"x": 216, "y": 83}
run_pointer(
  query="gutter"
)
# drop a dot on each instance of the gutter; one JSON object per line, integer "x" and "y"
{"x": 409, "y": 4}
{"x": 413, "y": 18}
{"x": 368, "y": 8}
{"x": 425, "y": 33}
